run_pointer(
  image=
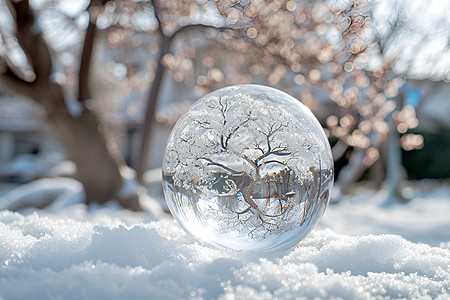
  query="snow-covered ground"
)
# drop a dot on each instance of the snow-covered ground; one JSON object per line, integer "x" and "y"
{"x": 364, "y": 248}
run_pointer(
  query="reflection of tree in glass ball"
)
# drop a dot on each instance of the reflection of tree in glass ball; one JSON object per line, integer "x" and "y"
{"x": 248, "y": 168}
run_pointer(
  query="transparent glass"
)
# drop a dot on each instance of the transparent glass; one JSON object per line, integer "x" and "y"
{"x": 248, "y": 167}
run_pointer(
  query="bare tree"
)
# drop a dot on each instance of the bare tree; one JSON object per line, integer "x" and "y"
{"x": 79, "y": 134}
{"x": 317, "y": 45}
{"x": 164, "y": 49}
{"x": 80, "y": 131}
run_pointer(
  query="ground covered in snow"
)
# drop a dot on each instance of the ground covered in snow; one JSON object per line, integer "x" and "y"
{"x": 364, "y": 248}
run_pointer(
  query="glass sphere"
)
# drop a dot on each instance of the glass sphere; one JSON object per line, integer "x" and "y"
{"x": 248, "y": 167}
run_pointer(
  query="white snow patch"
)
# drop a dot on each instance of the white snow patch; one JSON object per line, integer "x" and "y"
{"x": 130, "y": 185}
{"x": 74, "y": 107}
{"x": 424, "y": 219}
{"x": 153, "y": 182}
{"x": 75, "y": 252}
{"x": 52, "y": 193}
{"x": 27, "y": 167}
{"x": 96, "y": 255}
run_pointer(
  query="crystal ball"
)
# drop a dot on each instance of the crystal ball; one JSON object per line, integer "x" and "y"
{"x": 248, "y": 167}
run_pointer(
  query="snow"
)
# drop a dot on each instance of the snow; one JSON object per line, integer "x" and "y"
{"x": 52, "y": 193}
{"x": 424, "y": 219}
{"x": 27, "y": 167}
{"x": 358, "y": 251}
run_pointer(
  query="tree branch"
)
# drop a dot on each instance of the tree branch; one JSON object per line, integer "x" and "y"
{"x": 253, "y": 163}
{"x": 166, "y": 41}
{"x": 11, "y": 81}
{"x": 151, "y": 109}
{"x": 86, "y": 54}
{"x": 198, "y": 26}
{"x": 30, "y": 39}
{"x": 213, "y": 163}
{"x": 158, "y": 20}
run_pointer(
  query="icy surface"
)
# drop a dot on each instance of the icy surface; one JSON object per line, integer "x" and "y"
{"x": 72, "y": 252}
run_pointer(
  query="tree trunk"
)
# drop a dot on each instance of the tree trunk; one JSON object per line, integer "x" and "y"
{"x": 98, "y": 165}
{"x": 144, "y": 151}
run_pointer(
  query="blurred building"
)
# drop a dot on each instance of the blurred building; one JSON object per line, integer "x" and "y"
{"x": 432, "y": 102}
{"x": 27, "y": 151}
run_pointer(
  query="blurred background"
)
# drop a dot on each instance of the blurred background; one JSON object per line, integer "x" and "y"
{"x": 88, "y": 87}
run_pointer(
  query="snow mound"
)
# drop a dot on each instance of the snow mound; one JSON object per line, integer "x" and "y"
{"x": 424, "y": 219}
{"x": 63, "y": 195}
{"x": 97, "y": 256}
{"x": 52, "y": 193}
